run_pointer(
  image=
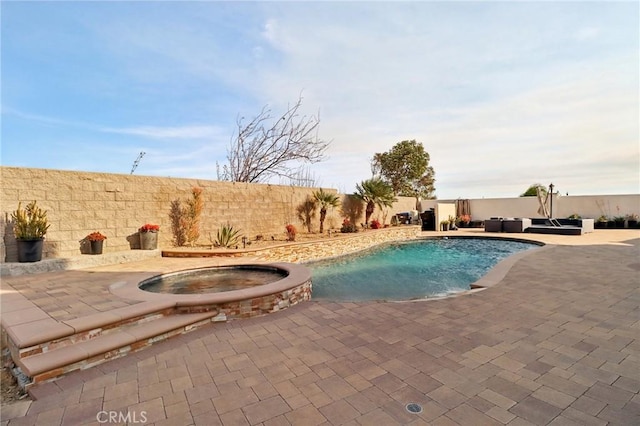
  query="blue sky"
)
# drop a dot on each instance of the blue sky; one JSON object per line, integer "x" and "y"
{"x": 501, "y": 94}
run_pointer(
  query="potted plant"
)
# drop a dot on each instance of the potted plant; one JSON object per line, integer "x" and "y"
{"x": 632, "y": 220}
{"x": 619, "y": 221}
{"x": 149, "y": 236}
{"x": 96, "y": 241}
{"x": 29, "y": 227}
{"x": 463, "y": 221}
{"x": 601, "y": 222}
{"x": 452, "y": 223}
{"x": 444, "y": 225}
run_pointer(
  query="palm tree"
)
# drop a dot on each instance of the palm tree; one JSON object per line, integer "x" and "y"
{"x": 326, "y": 199}
{"x": 374, "y": 192}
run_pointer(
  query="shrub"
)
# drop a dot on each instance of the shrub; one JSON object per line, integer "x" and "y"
{"x": 375, "y": 224}
{"x": 192, "y": 216}
{"x": 348, "y": 227}
{"x": 291, "y": 232}
{"x": 177, "y": 223}
{"x": 185, "y": 221}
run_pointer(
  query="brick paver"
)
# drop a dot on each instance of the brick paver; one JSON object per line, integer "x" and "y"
{"x": 555, "y": 342}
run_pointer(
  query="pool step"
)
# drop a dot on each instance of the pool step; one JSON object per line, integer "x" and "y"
{"x": 101, "y": 337}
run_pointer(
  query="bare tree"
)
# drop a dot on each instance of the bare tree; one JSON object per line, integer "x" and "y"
{"x": 263, "y": 148}
{"x": 302, "y": 177}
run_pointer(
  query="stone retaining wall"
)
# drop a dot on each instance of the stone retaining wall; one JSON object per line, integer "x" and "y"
{"x": 338, "y": 245}
{"x": 266, "y": 304}
{"x": 328, "y": 248}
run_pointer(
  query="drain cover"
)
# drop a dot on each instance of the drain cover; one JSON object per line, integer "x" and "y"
{"x": 414, "y": 408}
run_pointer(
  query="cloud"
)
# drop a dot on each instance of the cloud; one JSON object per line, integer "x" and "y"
{"x": 586, "y": 33}
{"x": 43, "y": 119}
{"x": 152, "y": 132}
{"x": 502, "y": 94}
{"x": 182, "y": 132}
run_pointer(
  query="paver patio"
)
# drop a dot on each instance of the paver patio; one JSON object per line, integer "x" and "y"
{"x": 556, "y": 341}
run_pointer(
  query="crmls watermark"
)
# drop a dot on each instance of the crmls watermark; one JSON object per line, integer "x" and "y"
{"x": 130, "y": 417}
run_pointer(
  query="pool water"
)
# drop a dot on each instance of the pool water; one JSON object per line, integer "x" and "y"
{"x": 410, "y": 270}
{"x": 212, "y": 280}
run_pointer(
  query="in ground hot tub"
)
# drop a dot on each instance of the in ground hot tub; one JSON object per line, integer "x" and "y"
{"x": 214, "y": 280}
{"x": 236, "y": 291}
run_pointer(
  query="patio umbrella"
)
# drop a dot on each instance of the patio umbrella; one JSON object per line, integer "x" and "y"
{"x": 542, "y": 199}
{"x": 463, "y": 208}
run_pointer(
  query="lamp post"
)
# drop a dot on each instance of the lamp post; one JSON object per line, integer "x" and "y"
{"x": 551, "y": 202}
{"x": 418, "y": 206}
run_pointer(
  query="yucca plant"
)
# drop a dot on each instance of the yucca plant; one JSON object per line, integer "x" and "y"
{"x": 326, "y": 199}
{"x": 374, "y": 192}
{"x": 30, "y": 223}
{"x": 227, "y": 237}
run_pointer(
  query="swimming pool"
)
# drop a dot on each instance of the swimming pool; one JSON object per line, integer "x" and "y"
{"x": 410, "y": 270}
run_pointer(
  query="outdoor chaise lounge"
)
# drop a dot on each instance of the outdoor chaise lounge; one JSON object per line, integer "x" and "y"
{"x": 566, "y": 226}
{"x": 539, "y": 225}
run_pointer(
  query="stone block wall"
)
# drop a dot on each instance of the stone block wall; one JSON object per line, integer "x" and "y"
{"x": 116, "y": 205}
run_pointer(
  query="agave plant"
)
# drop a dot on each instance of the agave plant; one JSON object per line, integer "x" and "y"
{"x": 227, "y": 237}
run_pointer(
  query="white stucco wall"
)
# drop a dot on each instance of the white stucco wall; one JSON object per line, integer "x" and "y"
{"x": 443, "y": 211}
{"x": 587, "y": 206}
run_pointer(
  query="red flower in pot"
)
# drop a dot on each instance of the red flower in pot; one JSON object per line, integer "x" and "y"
{"x": 148, "y": 227}
{"x": 96, "y": 236}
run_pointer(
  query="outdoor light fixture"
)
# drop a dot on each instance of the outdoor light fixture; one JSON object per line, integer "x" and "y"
{"x": 551, "y": 200}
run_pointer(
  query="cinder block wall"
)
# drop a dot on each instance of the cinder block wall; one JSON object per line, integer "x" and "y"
{"x": 79, "y": 203}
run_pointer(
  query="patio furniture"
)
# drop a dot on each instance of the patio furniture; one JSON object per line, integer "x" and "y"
{"x": 567, "y": 226}
{"x": 517, "y": 225}
{"x": 493, "y": 225}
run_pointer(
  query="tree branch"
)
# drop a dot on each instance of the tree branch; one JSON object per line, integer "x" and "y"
{"x": 262, "y": 149}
